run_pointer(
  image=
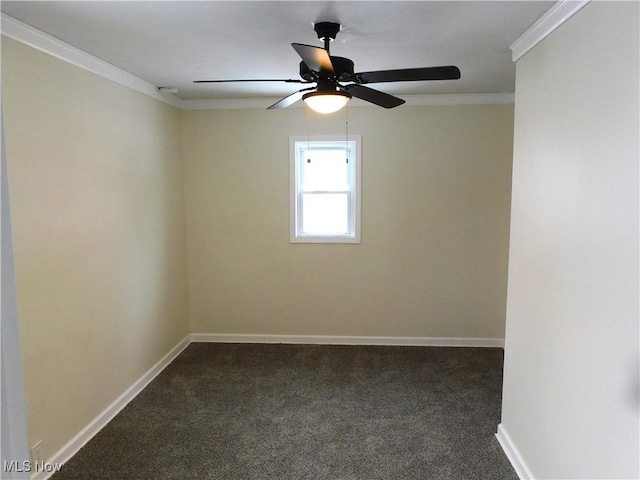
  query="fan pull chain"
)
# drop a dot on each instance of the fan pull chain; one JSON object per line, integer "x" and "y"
{"x": 308, "y": 141}
{"x": 346, "y": 135}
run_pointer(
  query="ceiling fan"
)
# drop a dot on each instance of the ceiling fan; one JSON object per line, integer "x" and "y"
{"x": 329, "y": 73}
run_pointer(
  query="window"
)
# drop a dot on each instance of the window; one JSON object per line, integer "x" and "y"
{"x": 325, "y": 189}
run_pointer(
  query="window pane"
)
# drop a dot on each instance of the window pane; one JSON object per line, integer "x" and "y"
{"x": 327, "y": 170}
{"x": 325, "y": 214}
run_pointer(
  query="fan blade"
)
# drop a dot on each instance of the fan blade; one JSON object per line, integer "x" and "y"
{"x": 374, "y": 96}
{"x": 288, "y": 80}
{"x": 410, "y": 75}
{"x": 288, "y": 100}
{"x": 316, "y": 58}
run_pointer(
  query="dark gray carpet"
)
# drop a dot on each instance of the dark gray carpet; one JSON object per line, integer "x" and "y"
{"x": 242, "y": 412}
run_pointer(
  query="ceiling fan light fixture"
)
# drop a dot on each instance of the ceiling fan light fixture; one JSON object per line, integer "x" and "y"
{"x": 326, "y": 102}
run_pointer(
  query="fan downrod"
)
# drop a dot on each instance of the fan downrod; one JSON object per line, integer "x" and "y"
{"x": 326, "y": 31}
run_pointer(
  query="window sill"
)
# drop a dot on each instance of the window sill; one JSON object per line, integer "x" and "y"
{"x": 315, "y": 239}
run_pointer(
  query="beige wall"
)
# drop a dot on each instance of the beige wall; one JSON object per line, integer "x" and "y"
{"x": 98, "y": 220}
{"x": 571, "y": 388}
{"x": 435, "y": 225}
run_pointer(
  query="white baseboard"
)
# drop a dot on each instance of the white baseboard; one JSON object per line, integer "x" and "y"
{"x": 513, "y": 454}
{"x": 87, "y": 433}
{"x": 348, "y": 340}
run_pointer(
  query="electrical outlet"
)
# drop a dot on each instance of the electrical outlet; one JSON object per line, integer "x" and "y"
{"x": 36, "y": 453}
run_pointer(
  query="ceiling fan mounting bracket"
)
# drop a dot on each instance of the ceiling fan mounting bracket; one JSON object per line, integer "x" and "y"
{"x": 326, "y": 31}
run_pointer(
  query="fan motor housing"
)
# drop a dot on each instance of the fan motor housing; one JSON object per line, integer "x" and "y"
{"x": 343, "y": 68}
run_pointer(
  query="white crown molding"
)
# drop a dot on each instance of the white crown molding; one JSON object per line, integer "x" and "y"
{"x": 23, "y": 33}
{"x": 460, "y": 99}
{"x": 348, "y": 340}
{"x": 229, "y": 103}
{"x": 553, "y": 18}
{"x": 513, "y": 454}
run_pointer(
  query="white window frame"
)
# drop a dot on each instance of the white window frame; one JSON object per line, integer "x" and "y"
{"x": 295, "y": 204}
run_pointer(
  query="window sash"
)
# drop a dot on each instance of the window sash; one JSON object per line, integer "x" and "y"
{"x": 301, "y": 233}
{"x": 348, "y": 229}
